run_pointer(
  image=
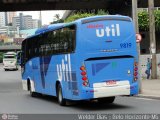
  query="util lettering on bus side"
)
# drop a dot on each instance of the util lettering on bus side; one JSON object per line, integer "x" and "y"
{"x": 113, "y": 30}
{"x": 64, "y": 70}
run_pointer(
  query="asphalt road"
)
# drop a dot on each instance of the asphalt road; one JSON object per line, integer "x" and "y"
{"x": 14, "y": 100}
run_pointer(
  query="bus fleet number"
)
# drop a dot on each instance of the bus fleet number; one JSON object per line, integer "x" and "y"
{"x": 125, "y": 45}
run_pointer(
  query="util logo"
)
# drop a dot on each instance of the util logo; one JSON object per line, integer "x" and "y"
{"x": 113, "y": 30}
{"x": 64, "y": 69}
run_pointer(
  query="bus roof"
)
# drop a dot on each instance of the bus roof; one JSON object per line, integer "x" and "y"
{"x": 48, "y": 28}
{"x": 104, "y": 17}
{"x": 83, "y": 21}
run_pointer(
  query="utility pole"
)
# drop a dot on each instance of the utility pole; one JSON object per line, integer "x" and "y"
{"x": 40, "y": 18}
{"x": 152, "y": 38}
{"x": 135, "y": 20}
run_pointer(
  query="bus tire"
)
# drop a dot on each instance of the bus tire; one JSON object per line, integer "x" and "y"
{"x": 106, "y": 100}
{"x": 61, "y": 100}
{"x": 32, "y": 94}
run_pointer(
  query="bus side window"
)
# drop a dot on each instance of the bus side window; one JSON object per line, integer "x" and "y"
{"x": 26, "y": 54}
{"x": 41, "y": 45}
{"x": 49, "y": 43}
{"x": 71, "y": 39}
{"x": 54, "y": 39}
{"x": 62, "y": 41}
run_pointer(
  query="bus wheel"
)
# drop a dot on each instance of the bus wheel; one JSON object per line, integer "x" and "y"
{"x": 106, "y": 100}
{"x": 61, "y": 100}
{"x": 33, "y": 94}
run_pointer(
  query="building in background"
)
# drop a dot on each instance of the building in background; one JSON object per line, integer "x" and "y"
{"x": 25, "y": 22}
{"x": 2, "y": 19}
{"x": 36, "y": 23}
{"x": 16, "y": 22}
{"x": 10, "y": 31}
{"x": 6, "y": 18}
{"x": 10, "y": 16}
{"x": 26, "y": 33}
{"x": 17, "y": 41}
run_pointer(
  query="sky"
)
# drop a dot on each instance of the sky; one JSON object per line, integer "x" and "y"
{"x": 47, "y": 16}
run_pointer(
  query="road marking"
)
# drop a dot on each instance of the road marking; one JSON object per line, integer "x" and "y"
{"x": 149, "y": 99}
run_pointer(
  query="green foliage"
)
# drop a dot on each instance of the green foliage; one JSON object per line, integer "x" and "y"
{"x": 79, "y": 15}
{"x": 143, "y": 20}
{"x": 102, "y": 12}
{"x": 1, "y": 57}
{"x": 57, "y": 21}
{"x": 157, "y": 20}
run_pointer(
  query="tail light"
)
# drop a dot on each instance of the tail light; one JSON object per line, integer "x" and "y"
{"x": 135, "y": 71}
{"x": 82, "y": 68}
{"x": 83, "y": 73}
{"x": 84, "y": 76}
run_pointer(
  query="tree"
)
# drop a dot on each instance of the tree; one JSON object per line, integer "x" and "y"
{"x": 79, "y": 15}
{"x": 57, "y": 16}
{"x": 1, "y": 57}
{"x": 143, "y": 20}
{"x": 102, "y": 12}
{"x": 57, "y": 19}
{"x": 157, "y": 19}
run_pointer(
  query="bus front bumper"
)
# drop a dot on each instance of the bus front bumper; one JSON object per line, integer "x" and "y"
{"x": 10, "y": 67}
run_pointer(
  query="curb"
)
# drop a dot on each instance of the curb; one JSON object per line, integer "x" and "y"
{"x": 148, "y": 96}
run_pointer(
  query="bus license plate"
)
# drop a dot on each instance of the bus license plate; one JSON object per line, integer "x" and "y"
{"x": 112, "y": 82}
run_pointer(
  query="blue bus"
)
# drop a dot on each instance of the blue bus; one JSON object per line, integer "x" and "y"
{"x": 90, "y": 58}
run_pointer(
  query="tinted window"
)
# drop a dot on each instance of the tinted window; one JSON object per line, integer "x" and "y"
{"x": 59, "y": 41}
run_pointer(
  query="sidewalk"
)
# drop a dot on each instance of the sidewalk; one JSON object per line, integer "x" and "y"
{"x": 150, "y": 88}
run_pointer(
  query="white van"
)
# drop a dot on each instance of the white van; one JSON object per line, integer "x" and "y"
{"x": 10, "y": 61}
